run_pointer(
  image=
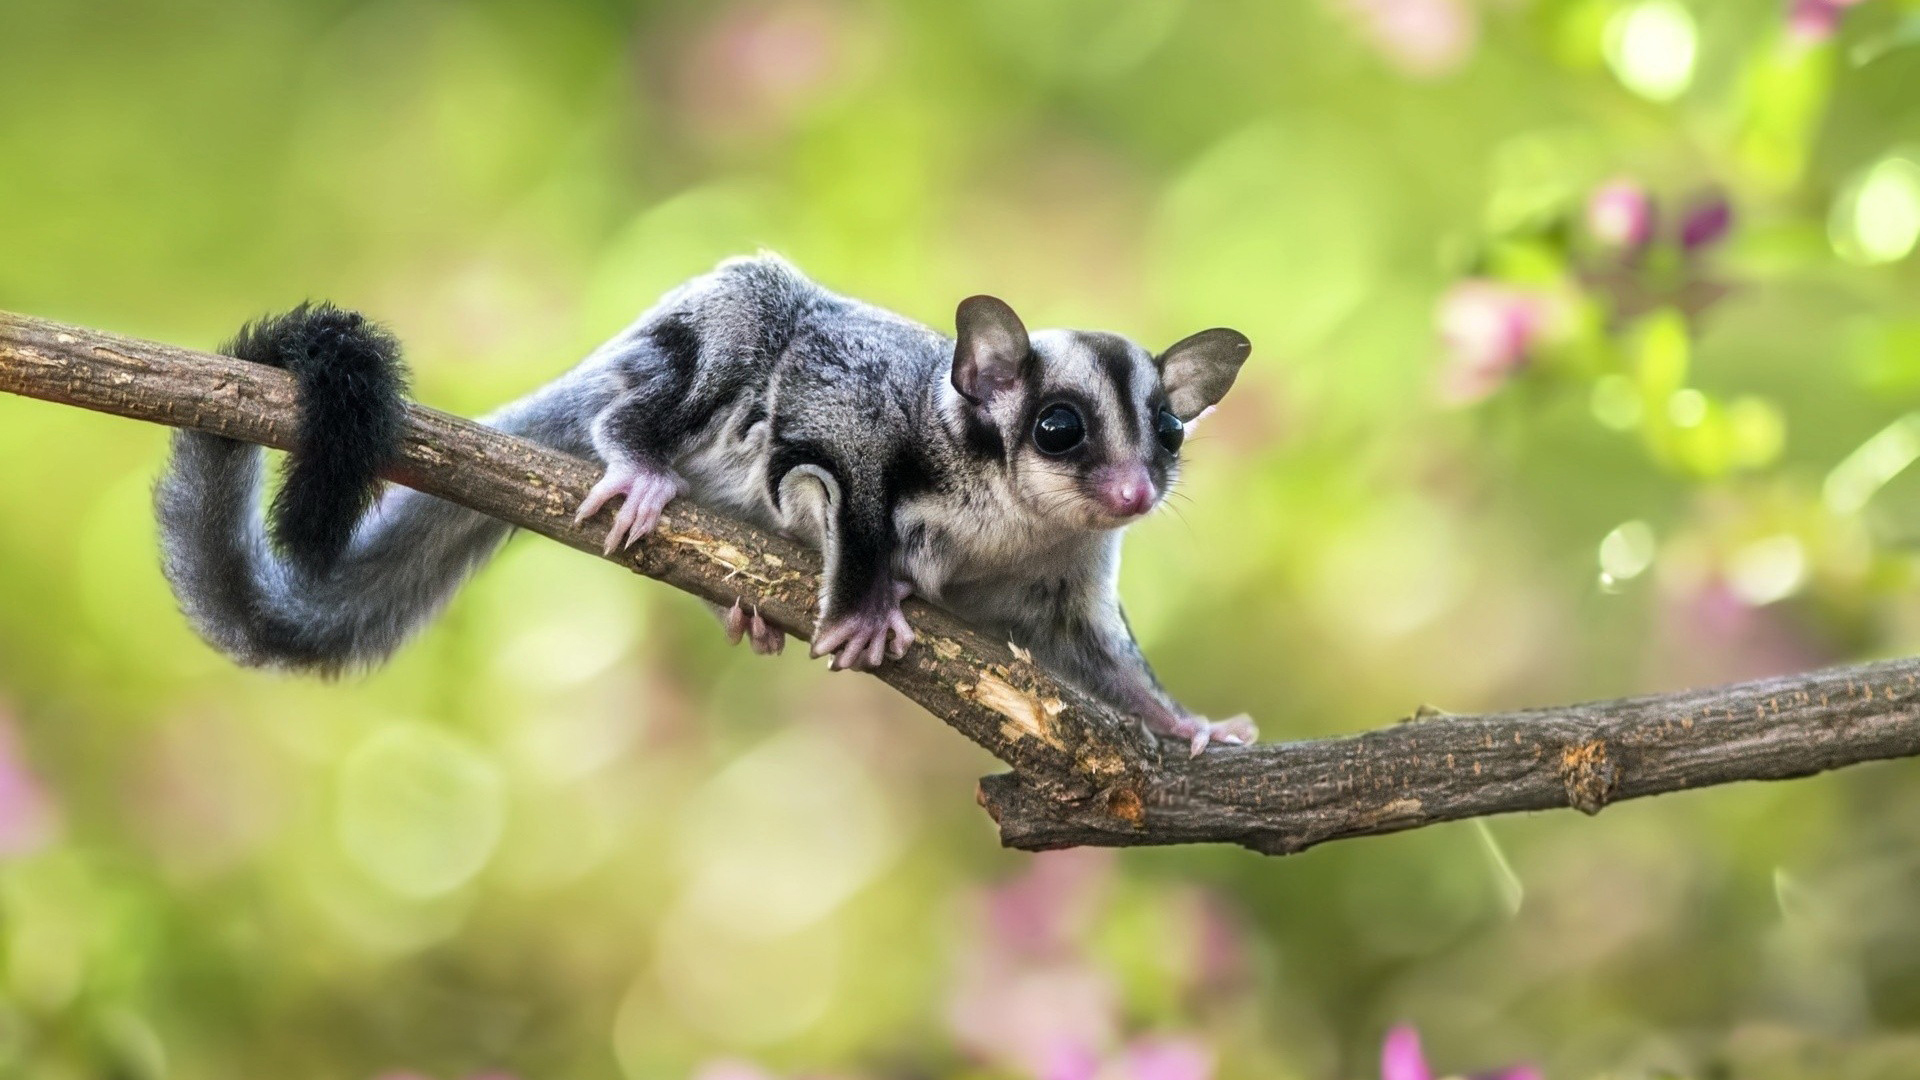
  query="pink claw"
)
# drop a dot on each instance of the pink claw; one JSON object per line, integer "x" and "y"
{"x": 1201, "y": 732}
{"x": 865, "y": 638}
{"x": 1236, "y": 730}
{"x": 832, "y": 637}
{"x": 765, "y": 639}
{"x": 735, "y": 620}
{"x": 645, "y": 491}
{"x": 902, "y": 634}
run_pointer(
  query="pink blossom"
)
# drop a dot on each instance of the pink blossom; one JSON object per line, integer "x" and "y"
{"x": 1620, "y": 215}
{"x": 1400, "y": 1056}
{"x": 1217, "y": 953}
{"x": 1166, "y": 1058}
{"x": 28, "y": 821}
{"x": 1028, "y": 1000}
{"x": 1707, "y": 221}
{"x": 1025, "y": 997}
{"x": 1811, "y": 22}
{"x": 1048, "y": 1020}
{"x": 762, "y": 62}
{"x": 1035, "y": 914}
{"x": 1707, "y": 633}
{"x": 1423, "y": 38}
{"x": 1489, "y": 331}
{"x": 1071, "y": 1062}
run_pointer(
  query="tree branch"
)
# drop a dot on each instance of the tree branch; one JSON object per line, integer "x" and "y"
{"x": 1082, "y": 774}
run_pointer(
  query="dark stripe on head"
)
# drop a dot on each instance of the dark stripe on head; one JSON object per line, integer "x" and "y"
{"x": 1115, "y": 354}
{"x": 982, "y": 438}
{"x": 1032, "y": 378}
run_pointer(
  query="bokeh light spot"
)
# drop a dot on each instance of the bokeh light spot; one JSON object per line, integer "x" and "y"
{"x": 1391, "y": 573}
{"x": 1758, "y": 430}
{"x": 420, "y": 810}
{"x": 1616, "y": 402}
{"x": 48, "y": 918}
{"x": 1877, "y": 218}
{"x": 1627, "y": 551}
{"x": 1767, "y": 570}
{"x": 1651, "y": 48}
{"x": 742, "y": 988}
{"x": 1687, "y": 408}
{"x": 562, "y": 624}
{"x": 785, "y": 834}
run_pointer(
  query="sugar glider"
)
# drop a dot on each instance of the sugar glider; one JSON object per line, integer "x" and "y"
{"x": 991, "y": 473}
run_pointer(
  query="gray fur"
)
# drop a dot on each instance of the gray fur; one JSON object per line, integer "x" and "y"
{"x": 407, "y": 557}
{"x": 823, "y": 418}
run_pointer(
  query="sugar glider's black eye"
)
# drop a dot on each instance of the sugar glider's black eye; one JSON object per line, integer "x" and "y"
{"x": 1169, "y": 430}
{"x": 1059, "y": 430}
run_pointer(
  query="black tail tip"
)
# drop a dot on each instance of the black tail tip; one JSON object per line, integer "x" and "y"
{"x": 353, "y": 392}
{"x": 316, "y": 334}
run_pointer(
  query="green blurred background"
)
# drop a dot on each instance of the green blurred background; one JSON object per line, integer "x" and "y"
{"x": 1587, "y": 339}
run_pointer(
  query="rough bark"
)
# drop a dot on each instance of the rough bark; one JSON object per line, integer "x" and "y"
{"x": 1082, "y": 774}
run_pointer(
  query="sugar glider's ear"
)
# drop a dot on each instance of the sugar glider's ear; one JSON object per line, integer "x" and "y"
{"x": 1197, "y": 371}
{"x": 992, "y": 352}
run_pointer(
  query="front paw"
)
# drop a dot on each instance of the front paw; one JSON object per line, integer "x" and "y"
{"x": 644, "y": 490}
{"x": 861, "y": 639}
{"x": 1199, "y": 732}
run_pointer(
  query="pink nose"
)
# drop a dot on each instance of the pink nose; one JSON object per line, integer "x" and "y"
{"x": 1126, "y": 492}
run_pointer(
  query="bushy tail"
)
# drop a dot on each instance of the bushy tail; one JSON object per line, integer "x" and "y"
{"x": 335, "y": 587}
{"x": 352, "y": 406}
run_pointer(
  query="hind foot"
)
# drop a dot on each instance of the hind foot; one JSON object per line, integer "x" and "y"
{"x": 1199, "y": 732}
{"x": 764, "y": 639}
{"x": 861, "y": 639}
{"x": 645, "y": 490}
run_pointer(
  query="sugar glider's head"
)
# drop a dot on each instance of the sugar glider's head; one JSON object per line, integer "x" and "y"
{"x": 1088, "y": 425}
